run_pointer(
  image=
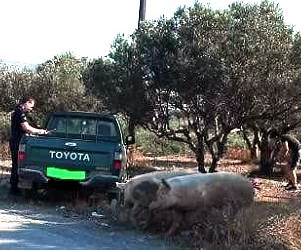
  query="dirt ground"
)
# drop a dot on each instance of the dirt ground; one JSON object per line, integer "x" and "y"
{"x": 276, "y": 212}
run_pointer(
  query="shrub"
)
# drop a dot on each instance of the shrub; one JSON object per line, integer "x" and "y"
{"x": 235, "y": 140}
{"x": 4, "y": 127}
{"x": 149, "y": 143}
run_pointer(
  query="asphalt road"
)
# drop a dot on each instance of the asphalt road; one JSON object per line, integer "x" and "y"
{"x": 42, "y": 224}
{"x": 22, "y": 228}
{"x": 48, "y": 224}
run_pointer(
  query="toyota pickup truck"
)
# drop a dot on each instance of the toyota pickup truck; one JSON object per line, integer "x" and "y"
{"x": 81, "y": 147}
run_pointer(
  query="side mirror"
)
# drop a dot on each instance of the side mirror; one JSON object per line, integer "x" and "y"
{"x": 129, "y": 140}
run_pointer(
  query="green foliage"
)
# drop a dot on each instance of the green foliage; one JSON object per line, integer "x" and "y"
{"x": 211, "y": 70}
{"x": 149, "y": 144}
{"x": 236, "y": 140}
{"x": 58, "y": 84}
{"x": 13, "y": 85}
{"x": 119, "y": 82}
{"x": 4, "y": 127}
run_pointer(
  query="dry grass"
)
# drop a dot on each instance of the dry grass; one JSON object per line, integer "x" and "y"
{"x": 278, "y": 215}
{"x": 264, "y": 226}
{"x": 222, "y": 231}
{"x": 273, "y": 222}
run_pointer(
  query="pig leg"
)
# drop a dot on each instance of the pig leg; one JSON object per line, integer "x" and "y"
{"x": 177, "y": 218}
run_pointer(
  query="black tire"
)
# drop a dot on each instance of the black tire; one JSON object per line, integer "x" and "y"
{"x": 31, "y": 193}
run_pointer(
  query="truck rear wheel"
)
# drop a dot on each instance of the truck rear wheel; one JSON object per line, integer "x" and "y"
{"x": 30, "y": 193}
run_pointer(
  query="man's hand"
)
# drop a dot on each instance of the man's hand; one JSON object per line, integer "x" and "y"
{"x": 43, "y": 131}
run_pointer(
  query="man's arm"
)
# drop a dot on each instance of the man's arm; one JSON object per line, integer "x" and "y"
{"x": 31, "y": 130}
{"x": 286, "y": 148}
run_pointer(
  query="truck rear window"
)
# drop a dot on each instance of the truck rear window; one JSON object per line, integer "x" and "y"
{"x": 83, "y": 128}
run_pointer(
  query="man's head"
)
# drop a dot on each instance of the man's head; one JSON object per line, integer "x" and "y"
{"x": 27, "y": 104}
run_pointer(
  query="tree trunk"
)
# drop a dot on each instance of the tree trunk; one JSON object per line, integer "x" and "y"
{"x": 131, "y": 148}
{"x": 131, "y": 126}
{"x": 216, "y": 155}
{"x": 200, "y": 156}
{"x": 266, "y": 163}
{"x": 213, "y": 164}
{"x": 253, "y": 153}
{"x": 252, "y": 146}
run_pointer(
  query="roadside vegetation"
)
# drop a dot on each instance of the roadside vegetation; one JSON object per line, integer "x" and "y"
{"x": 192, "y": 79}
{"x": 273, "y": 222}
{"x": 205, "y": 84}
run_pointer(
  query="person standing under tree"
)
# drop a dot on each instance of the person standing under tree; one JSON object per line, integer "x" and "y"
{"x": 289, "y": 151}
{"x": 19, "y": 127}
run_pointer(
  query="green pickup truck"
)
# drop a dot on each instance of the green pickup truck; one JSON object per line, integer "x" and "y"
{"x": 81, "y": 147}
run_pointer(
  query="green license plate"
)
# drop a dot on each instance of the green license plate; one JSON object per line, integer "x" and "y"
{"x": 65, "y": 174}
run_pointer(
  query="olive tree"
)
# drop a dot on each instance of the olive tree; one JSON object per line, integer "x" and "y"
{"x": 14, "y": 83}
{"x": 187, "y": 82}
{"x": 261, "y": 51}
{"x": 119, "y": 82}
{"x": 58, "y": 85}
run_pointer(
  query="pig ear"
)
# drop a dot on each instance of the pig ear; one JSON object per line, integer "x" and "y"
{"x": 165, "y": 183}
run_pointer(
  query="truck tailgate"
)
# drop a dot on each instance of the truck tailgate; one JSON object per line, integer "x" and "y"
{"x": 70, "y": 153}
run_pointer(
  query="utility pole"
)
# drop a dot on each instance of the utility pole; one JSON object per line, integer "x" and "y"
{"x": 141, "y": 12}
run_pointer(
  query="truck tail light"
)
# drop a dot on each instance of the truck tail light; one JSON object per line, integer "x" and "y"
{"x": 117, "y": 164}
{"x": 21, "y": 153}
{"x": 117, "y": 160}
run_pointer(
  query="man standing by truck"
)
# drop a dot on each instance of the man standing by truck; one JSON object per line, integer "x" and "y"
{"x": 19, "y": 127}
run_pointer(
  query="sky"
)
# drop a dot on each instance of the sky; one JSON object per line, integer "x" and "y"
{"x": 34, "y": 31}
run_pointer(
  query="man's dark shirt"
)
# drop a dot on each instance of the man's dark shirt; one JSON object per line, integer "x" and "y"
{"x": 293, "y": 143}
{"x": 18, "y": 117}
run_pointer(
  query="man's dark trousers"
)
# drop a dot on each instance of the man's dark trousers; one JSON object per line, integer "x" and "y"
{"x": 14, "y": 178}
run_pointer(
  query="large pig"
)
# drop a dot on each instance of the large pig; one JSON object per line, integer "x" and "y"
{"x": 191, "y": 198}
{"x": 141, "y": 190}
{"x": 212, "y": 189}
